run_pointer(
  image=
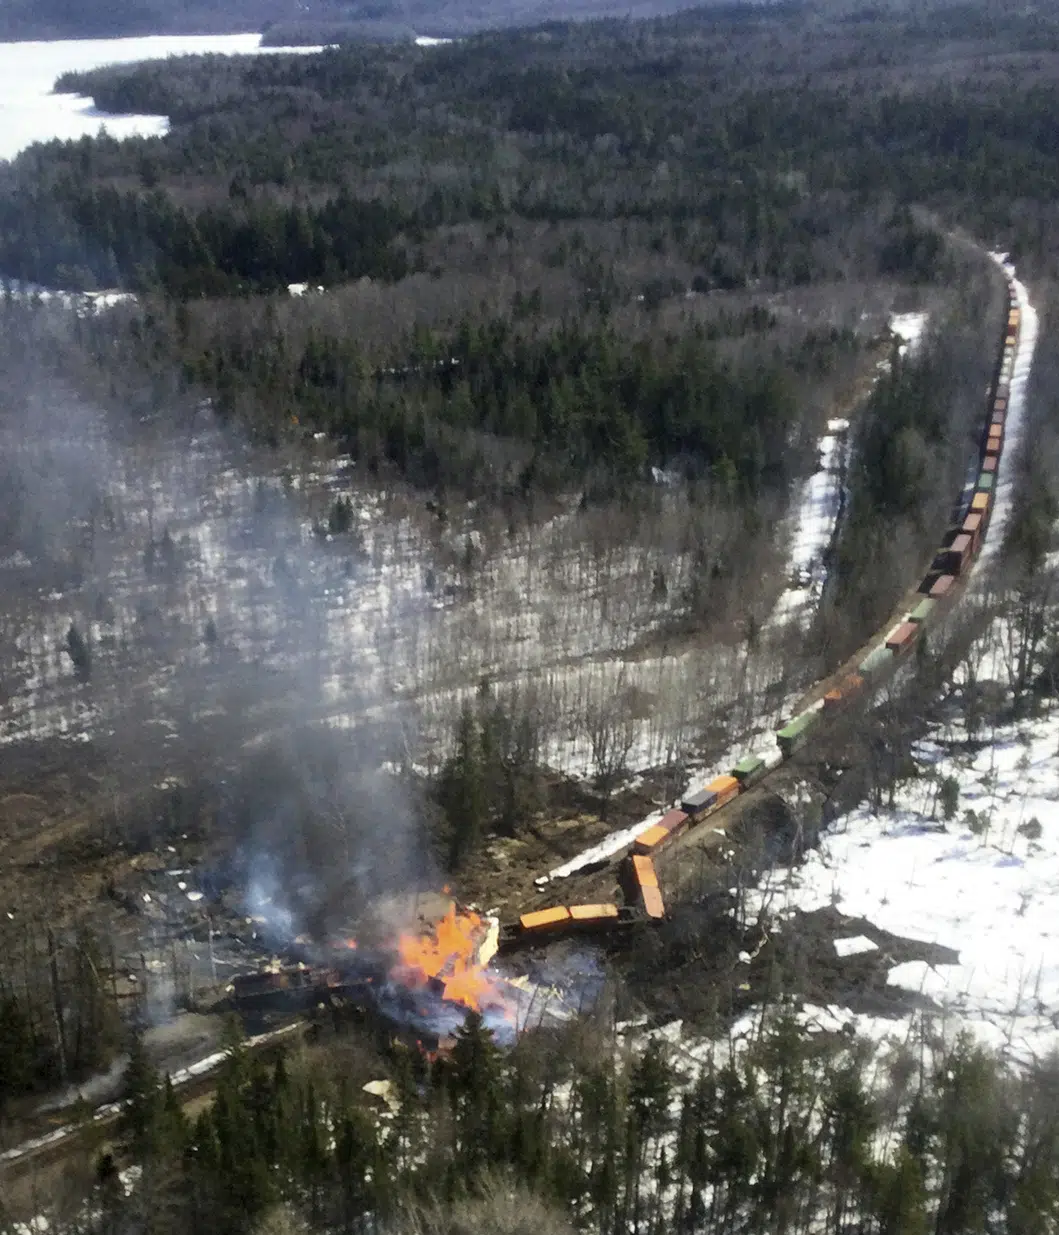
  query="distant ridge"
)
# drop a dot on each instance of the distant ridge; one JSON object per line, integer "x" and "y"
{"x": 309, "y": 21}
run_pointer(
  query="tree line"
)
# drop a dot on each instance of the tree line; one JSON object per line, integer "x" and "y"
{"x": 74, "y": 235}
{"x": 747, "y": 173}
{"x": 495, "y": 403}
{"x": 787, "y": 1134}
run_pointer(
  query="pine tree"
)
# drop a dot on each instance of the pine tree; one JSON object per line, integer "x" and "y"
{"x": 851, "y": 1123}
{"x": 356, "y": 1146}
{"x": 340, "y": 518}
{"x": 144, "y": 1101}
{"x": 16, "y": 1052}
{"x": 510, "y": 744}
{"x": 79, "y": 651}
{"x": 475, "y": 1080}
{"x": 95, "y": 1024}
{"x": 949, "y": 795}
{"x": 899, "y": 1196}
{"x": 462, "y": 791}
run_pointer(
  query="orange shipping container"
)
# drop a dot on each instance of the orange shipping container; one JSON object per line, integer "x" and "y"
{"x": 644, "y": 872}
{"x": 726, "y": 787}
{"x": 593, "y": 913}
{"x": 652, "y": 903}
{"x": 542, "y": 918}
{"x": 650, "y": 839}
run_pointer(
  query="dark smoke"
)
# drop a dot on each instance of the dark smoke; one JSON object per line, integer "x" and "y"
{"x": 228, "y": 640}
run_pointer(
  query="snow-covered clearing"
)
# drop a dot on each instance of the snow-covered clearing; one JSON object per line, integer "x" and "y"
{"x": 985, "y": 885}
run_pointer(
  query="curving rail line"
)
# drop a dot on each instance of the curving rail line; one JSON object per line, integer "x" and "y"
{"x": 955, "y": 556}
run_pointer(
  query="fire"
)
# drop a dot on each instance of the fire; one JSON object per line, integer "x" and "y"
{"x": 451, "y": 955}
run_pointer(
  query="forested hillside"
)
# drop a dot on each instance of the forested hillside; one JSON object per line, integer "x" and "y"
{"x": 288, "y": 22}
{"x": 423, "y": 514}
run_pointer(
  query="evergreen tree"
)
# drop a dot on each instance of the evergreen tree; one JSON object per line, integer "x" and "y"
{"x": 340, "y": 518}
{"x": 17, "y": 1048}
{"x": 462, "y": 791}
{"x": 144, "y": 1101}
{"x": 474, "y": 1086}
{"x": 80, "y": 652}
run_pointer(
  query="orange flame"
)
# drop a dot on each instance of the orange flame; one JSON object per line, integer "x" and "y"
{"x": 451, "y": 956}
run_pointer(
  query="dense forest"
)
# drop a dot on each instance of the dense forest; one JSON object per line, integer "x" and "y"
{"x": 460, "y": 399}
{"x": 578, "y": 1132}
{"x": 605, "y": 175}
{"x": 298, "y": 22}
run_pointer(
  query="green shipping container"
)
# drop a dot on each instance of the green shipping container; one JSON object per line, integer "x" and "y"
{"x": 791, "y": 736}
{"x": 922, "y": 611}
{"x": 877, "y": 661}
{"x": 985, "y": 481}
{"x": 749, "y": 768}
{"x": 798, "y": 725}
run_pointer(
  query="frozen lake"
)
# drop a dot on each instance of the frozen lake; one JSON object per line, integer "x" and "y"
{"x": 30, "y": 111}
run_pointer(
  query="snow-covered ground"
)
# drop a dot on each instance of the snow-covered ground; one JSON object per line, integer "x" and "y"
{"x": 819, "y": 504}
{"x": 84, "y": 304}
{"x": 31, "y": 112}
{"x": 986, "y": 884}
{"x": 816, "y": 514}
{"x": 814, "y": 519}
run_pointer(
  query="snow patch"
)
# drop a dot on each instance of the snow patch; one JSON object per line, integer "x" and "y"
{"x": 855, "y": 945}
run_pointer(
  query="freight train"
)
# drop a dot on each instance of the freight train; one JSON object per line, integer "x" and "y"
{"x": 955, "y": 555}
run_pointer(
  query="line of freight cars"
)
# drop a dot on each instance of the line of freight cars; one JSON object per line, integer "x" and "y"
{"x": 957, "y": 552}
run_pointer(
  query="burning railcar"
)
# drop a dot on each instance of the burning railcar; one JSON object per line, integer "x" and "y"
{"x": 418, "y": 986}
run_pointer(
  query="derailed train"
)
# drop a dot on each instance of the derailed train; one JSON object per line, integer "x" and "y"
{"x": 957, "y": 552}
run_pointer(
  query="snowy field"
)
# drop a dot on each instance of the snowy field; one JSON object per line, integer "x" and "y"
{"x": 985, "y": 884}
{"x": 31, "y": 112}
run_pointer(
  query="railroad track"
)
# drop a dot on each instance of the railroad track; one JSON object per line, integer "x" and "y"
{"x": 854, "y": 682}
{"x": 98, "y": 1126}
